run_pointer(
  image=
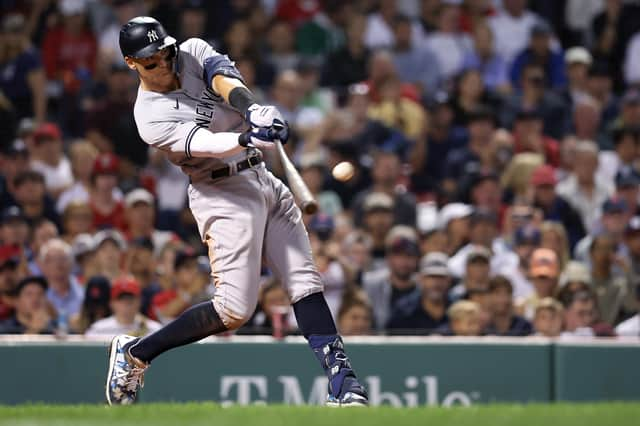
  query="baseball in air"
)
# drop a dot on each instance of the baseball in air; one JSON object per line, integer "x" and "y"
{"x": 343, "y": 171}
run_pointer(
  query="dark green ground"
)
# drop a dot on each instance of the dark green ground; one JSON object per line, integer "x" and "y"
{"x": 604, "y": 414}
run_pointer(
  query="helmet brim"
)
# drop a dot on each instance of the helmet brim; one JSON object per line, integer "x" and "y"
{"x": 152, "y": 49}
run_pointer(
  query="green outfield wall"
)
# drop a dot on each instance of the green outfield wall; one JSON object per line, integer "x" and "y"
{"x": 396, "y": 371}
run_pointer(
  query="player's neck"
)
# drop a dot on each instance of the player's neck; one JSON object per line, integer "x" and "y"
{"x": 151, "y": 86}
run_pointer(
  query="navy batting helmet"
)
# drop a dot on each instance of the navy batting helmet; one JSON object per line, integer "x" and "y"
{"x": 143, "y": 36}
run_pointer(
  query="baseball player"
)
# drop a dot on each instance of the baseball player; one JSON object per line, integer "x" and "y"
{"x": 192, "y": 103}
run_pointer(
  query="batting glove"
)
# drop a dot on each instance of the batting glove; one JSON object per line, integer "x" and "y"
{"x": 263, "y": 116}
{"x": 262, "y": 137}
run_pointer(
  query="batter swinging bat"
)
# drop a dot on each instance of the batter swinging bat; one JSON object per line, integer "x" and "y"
{"x": 307, "y": 203}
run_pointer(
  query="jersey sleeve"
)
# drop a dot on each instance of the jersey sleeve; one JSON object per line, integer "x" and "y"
{"x": 189, "y": 139}
{"x": 213, "y": 63}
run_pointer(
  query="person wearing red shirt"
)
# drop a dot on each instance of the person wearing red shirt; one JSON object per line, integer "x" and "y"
{"x": 108, "y": 212}
{"x": 69, "y": 50}
{"x": 528, "y": 137}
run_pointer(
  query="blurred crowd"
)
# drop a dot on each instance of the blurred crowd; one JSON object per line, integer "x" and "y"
{"x": 495, "y": 146}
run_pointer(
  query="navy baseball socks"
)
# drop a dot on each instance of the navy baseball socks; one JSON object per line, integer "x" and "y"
{"x": 317, "y": 326}
{"x": 130, "y": 356}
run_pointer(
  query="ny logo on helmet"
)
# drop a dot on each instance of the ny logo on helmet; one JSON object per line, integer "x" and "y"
{"x": 152, "y": 36}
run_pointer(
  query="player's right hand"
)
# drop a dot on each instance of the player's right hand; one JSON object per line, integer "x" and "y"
{"x": 262, "y": 137}
{"x": 263, "y": 116}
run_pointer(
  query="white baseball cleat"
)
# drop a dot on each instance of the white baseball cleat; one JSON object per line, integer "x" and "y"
{"x": 126, "y": 373}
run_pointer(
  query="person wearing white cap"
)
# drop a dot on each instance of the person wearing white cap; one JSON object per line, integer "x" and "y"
{"x": 577, "y": 62}
{"x": 140, "y": 219}
{"x": 453, "y": 219}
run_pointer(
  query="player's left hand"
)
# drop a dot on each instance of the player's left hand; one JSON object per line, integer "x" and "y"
{"x": 263, "y": 116}
{"x": 263, "y": 137}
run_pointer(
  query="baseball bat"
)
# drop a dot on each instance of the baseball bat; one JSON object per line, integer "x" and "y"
{"x": 307, "y": 203}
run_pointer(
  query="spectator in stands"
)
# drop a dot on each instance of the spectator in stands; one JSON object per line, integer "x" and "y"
{"x": 631, "y": 326}
{"x": 82, "y": 155}
{"x": 540, "y": 52}
{"x": 615, "y": 213}
{"x": 95, "y": 305}
{"x": 14, "y": 228}
{"x": 110, "y": 120}
{"x": 386, "y": 171}
{"x": 355, "y": 255}
{"x": 511, "y": 28}
{"x": 281, "y": 47}
{"x": 504, "y": 321}
{"x": 377, "y": 213}
{"x": 611, "y": 289}
{"x": 10, "y": 274}
{"x": 69, "y": 56}
{"x": 83, "y": 250}
{"x": 447, "y": 42}
{"x": 274, "y": 314}
{"x": 140, "y": 264}
{"x": 433, "y": 239}
{"x": 476, "y": 274}
{"x": 48, "y": 159}
{"x": 391, "y": 287}
{"x": 534, "y": 97}
{"x": 600, "y": 87}
{"x": 581, "y": 315}
{"x": 108, "y": 211}
{"x": 77, "y": 218}
{"x": 543, "y": 274}
{"x": 628, "y": 190}
{"x": 426, "y": 310}
{"x": 632, "y": 242}
{"x": 108, "y": 52}
{"x": 454, "y": 219}
{"x": 355, "y": 317}
{"x": 110, "y": 247}
{"x": 487, "y": 61}
{"x": 622, "y": 159}
{"x": 191, "y": 287}
{"x": 348, "y": 65}
{"x": 22, "y": 80}
{"x": 442, "y": 138}
{"x": 416, "y": 63}
{"x": 31, "y": 197}
{"x": 553, "y": 206}
{"x": 629, "y": 110}
{"x": 31, "y": 315}
{"x": 471, "y": 99}
{"x": 483, "y": 233}
{"x": 463, "y": 162}
{"x": 587, "y": 113}
{"x": 464, "y": 320}
{"x": 382, "y": 69}
{"x": 126, "y": 318}
{"x": 581, "y": 189}
{"x": 577, "y": 61}
{"x": 548, "y": 318}
{"x": 140, "y": 218}
{"x": 65, "y": 294}
{"x": 400, "y": 113}
{"x": 529, "y": 137}
{"x": 14, "y": 160}
{"x": 379, "y": 33}
{"x": 554, "y": 236}
{"x": 42, "y": 231}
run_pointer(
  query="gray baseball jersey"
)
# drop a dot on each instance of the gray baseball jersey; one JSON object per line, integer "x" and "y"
{"x": 239, "y": 216}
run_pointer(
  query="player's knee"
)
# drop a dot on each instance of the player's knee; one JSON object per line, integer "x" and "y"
{"x": 234, "y": 319}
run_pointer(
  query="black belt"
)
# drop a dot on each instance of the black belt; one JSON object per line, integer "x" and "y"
{"x": 226, "y": 171}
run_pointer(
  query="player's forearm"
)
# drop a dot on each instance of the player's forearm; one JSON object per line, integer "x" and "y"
{"x": 205, "y": 144}
{"x": 234, "y": 92}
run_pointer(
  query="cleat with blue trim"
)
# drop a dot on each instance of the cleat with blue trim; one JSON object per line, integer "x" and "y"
{"x": 344, "y": 388}
{"x": 126, "y": 373}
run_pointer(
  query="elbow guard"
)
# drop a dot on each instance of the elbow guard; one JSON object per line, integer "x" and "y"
{"x": 220, "y": 65}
